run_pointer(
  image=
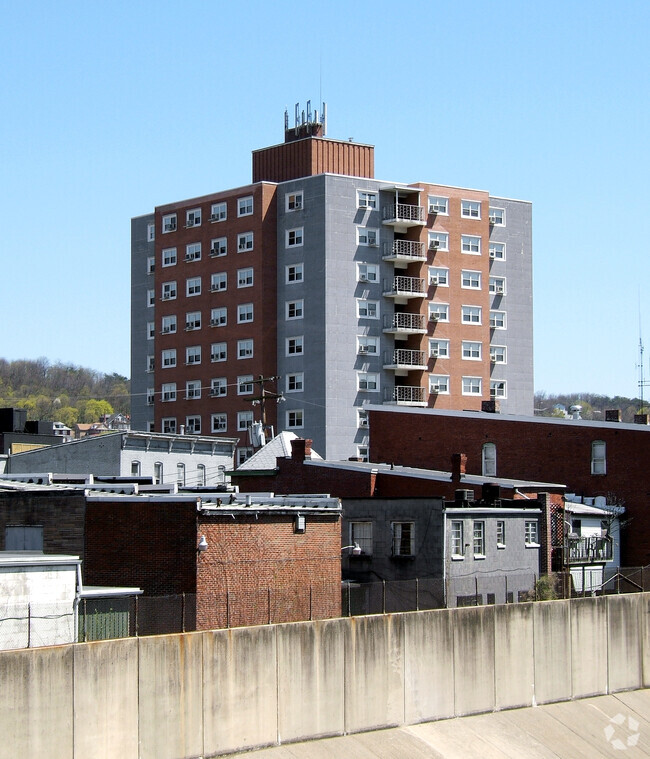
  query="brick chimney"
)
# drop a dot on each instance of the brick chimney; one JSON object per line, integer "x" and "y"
{"x": 458, "y": 466}
{"x": 300, "y": 449}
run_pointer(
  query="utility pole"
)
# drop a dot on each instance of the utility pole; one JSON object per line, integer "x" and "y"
{"x": 265, "y": 395}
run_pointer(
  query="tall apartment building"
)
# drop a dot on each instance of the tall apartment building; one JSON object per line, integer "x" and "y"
{"x": 349, "y": 289}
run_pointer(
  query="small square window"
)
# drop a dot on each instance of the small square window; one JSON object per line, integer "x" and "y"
{"x": 368, "y": 309}
{"x": 219, "y": 317}
{"x": 294, "y": 309}
{"x": 218, "y": 387}
{"x": 219, "y": 282}
{"x": 366, "y": 199}
{"x": 472, "y": 386}
{"x": 168, "y": 391}
{"x": 294, "y": 237}
{"x": 219, "y": 247}
{"x": 245, "y": 242}
{"x": 193, "y": 218}
{"x": 295, "y": 419}
{"x": 245, "y": 385}
{"x": 497, "y": 217}
{"x": 294, "y": 273}
{"x": 295, "y": 382}
{"x": 218, "y": 352}
{"x": 244, "y": 420}
{"x": 470, "y": 209}
{"x": 218, "y": 212}
{"x": 245, "y": 206}
{"x": 219, "y": 422}
{"x": 168, "y": 290}
{"x": 169, "y": 257}
{"x": 245, "y": 348}
{"x": 168, "y": 325}
{"x": 169, "y": 223}
{"x": 470, "y": 244}
{"x": 193, "y": 286}
{"x": 294, "y": 201}
{"x": 193, "y": 425}
{"x": 245, "y": 278}
{"x": 470, "y": 279}
{"x": 193, "y": 354}
{"x": 169, "y": 425}
{"x": 244, "y": 313}
{"x": 295, "y": 346}
{"x": 438, "y": 204}
{"x": 439, "y": 384}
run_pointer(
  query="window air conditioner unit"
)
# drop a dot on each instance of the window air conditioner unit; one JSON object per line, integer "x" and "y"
{"x": 492, "y": 254}
{"x": 434, "y": 353}
{"x": 373, "y": 243}
{"x": 493, "y": 219}
{"x": 435, "y": 389}
{"x": 363, "y": 423}
{"x": 493, "y": 358}
{"x": 170, "y": 226}
{"x": 434, "y": 317}
{"x": 242, "y": 246}
{"x": 363, "y": 349}
{"x": 166, "y": 330}
{"x": 363, "y": 278}
{"x": 433, "y": 281}
{"x": 499, "y": 290}
{"x": 493, "y": 323}
{"x": 214, "y": 217}
{"x": 433, "y": 209}
{"x": 434, "y": 244}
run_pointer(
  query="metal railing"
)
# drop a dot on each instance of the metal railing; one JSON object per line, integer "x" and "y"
{"x": 403, "y": 212}
{"x": 406, "y": 322}
{"x": 406, "y": 394}
{"x": 404, "y": 357}
{"x": 410, "y": 249}
{"x": 405, "y": 286}
{"x": 587, "y": 549}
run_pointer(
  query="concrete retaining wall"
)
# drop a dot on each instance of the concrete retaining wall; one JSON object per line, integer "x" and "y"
{"x": 209, "y": 693}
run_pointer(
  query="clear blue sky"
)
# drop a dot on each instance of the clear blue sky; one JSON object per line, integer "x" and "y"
{"x": 109, "y": 109}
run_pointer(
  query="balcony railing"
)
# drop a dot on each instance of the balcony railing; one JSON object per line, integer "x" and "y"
{"x": 407, "y": 395}
{"x": 402, "y": 358}
{"x": 403, "y": 214}
{"x": 404, "y": 250}
{"x": 405, "y": 323}
{"x": 588, "y": 550}
{"x": 406, "y": 287}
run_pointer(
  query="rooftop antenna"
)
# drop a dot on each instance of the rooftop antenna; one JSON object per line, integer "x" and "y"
{"x": 642, "y": 381}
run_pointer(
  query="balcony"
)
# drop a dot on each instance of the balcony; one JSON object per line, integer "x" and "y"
{"x": 403, "y": 215}
{"x": 404, "y": 252}
{"x": 402, "y": 324}
{"x": 402, "y": 360}
{"x": 406, "y": 395}
{"x": 404, "y": 288}
{"x": 588, "y": 550}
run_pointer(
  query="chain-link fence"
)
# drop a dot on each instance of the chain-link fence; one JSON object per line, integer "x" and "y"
{"x": 26, "y": 625}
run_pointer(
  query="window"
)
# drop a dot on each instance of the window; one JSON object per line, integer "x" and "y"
{"x": 151, "y": 298}
{"x": 193, "y": 354}
{"x": 361, "y": 535}
{"x": 498, "y": 389}
{"x": 470, "y": 244}
{"x": 180, "y": 474}
{"x": 472, "y": 386}
{"x": 168, "y": 290}
{"x": 168, "y": 324}
{"x": 244, "y": 420}
{"x": 218, "y": 352}
{"x": 530, "y": 531}
{"x": 169, "y": 256}
{"x": 169, "y": 358}
{"x": 168, "y": 391}
{"x": 157, "y": 473}
{"x": 438, "y": 348}
{"x": 219, "y": 247}
{"x": 193, "y": 390}
{"x": 150, "y": 364}
{"x": 438, "y": 241}
{"x": 294, "y": 273}
{"x": 470, "y": 209}
{"x": 489, "y": 460}
{"x": 135, "y": 468}
{"x": 501, "y": 533}
{"x": 439, "y": 384}
{"x": 438, "y": 312}
{"x": 295, "y": 419}
{"x": 294, "y": 345}
{"x": 219, "y": 212}
{"x": 367, "y": 309}
{"x": 471, "y": 279}
{"x": 438, "y": 276}
{"x": 245, "y": 385}
{"x": 295, "y": 383}
{"x": 151, "y": 264}
{"x": 472, "y": 351}
{"x": 245, "y": 206}
{"x": 218, "y": 387}
{"x": 169, "y": 425}
{"x": 294, "y": 237}
{"x": 244, "y": 313}
{"x": 498, "y": 354}
{"x": 244, "y": 277}
{"x": 245, "y": 348}
{"x": 366, "y": 199}
{"x": 245, "y": 241}
{"x": 193, "y": 286}
{"x": 368, "y": 272}
{"x": 367, "y": 382}
{"x": 193, "y": 320}
{"x": 219, "y": 422}
{"x": 219, "y": 317}
{"x": 362, "y": 417}
{"x": 403, "y": 538}
{"x": 151, "y": 330}
{"x": 598, "y": 457}
{"x": 243, "y": 454}
{"x": 219, "y": 282}
{"x": 457, "y": 547}
{"x": 498, "y": 319}
{"x": 497, "y": 251}
{"x": 293, "y": 201}
{"x": 366, "y": 344}
{"x": 151, "y": 232}
{"x": 479, "y": 538}
{"x": 23, "y": 538}
{"x": 497, "y": 285}
{"x": 438, "y": 204}
{"x": 193, "y": 425}
{"x": 201, "y": 477}
{"x": 362, "y": 452}
{"x": 471, "y": 314}
{"x": 151, "y": 396}
{"x": 169, "y": 222}
{"x": 294, "y": 309}
{"x": 368, "y": 237}
{"x": 497, "y": 217}
{"x": 193, "y": 218}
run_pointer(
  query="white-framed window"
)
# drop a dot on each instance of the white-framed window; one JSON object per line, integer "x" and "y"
{"x": 531, "y": 535}
{"x": 244, "y": 241}
{"x": 193, "y": 218}
{"x": 219, "y": 317}
{"x": 497, "y": 285}
{"x": 151, "y": 232}
{"x": 201, "y": 475}
{"x": 168, "y": 391}
{"x": 501, "y": 533}
{"x": 244, "y": 420}
{"x": 218, "y": 387}
{"x": 293, "y": 201}
{"x": 151, "y": 298}
{"x": 368, "y": 236}
{"x": 151, "y": 396}
{"x": 193, "y": 354}
{"x": 470, "y": 209}
{"x": 361, "y": 535}
{"x": 362, "y": 452}
{"x": 438, "y": 204}
{"x": 439, "y": 276}
{"x": 245, "y": 384}
{"x": 151, "y": 362}
{"x": 498, "y": 354}
{"x": 244, "y": 313}
{"x": 489, "y": 460}
{"x": 439, "y": 384}
{"x": 294, "y": 309}
{"x": 169, "y": 290}
{"x": 151, "y": 330}
{"x": 180, "y": 474}
{"x": 168, "y": 358}
{"x": 470, "y": 244}
{"x": 598, "y": 457}
{"x": 151, "y": 427}
{"x": 295, "y": 345}
{"x": 192, "y": 320}
{"x": 295, "y": 383}
{"x": 472, "y": 350}
{"x": 470, "y": 279}
{"x": 219, "y": 422}
{"x": 193, "y": 424}
{"x": 219, "y": 212}
{"x": 497, "y": 250}
{"x": 497, "y": 216}
{"x": 157, "y": 472}
{"x": 456, "y": 545}
{"x": 244, "y": 277}
{"x": 219, "y": 247}
{"x": 245, "y": 348}
{"x": 367, "y": 309}
{"x": 438, "y": 348}
{"x": 245, "y": 206}
{"x": 479, "y": 538}
{"x": 438, "y": 241}
{"x": 498, "y": 389}
{"x": 366, "y": 199}
{"x": 438, "y": 312}
{"x": 362, "y": 418}
{"x": 151, "y": 264}
{"x": 472, "y": 386}
{"x": 294, "y": 273}
{"x": 169, "y": 257}
{"x": 193, "y": 286}
{"x": 218, "y": 352}
{"x": 368, "y": 272}
{"x": 403, "y": 538}
{"x": 368, "y": 382}
{"x": 471, "y": 314}
{"x": 219, "y": 282}
{"x": 294, "y": 237}
{"x": 193, "y": 390}
{"x": 295, "y": 419}
{"x": 169, "y": 425}
{"x": 367, "y": 344}
{"x": 498, "y": 319}
{"x": 169, "y": 222}
{"x": 243, "y": 454}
